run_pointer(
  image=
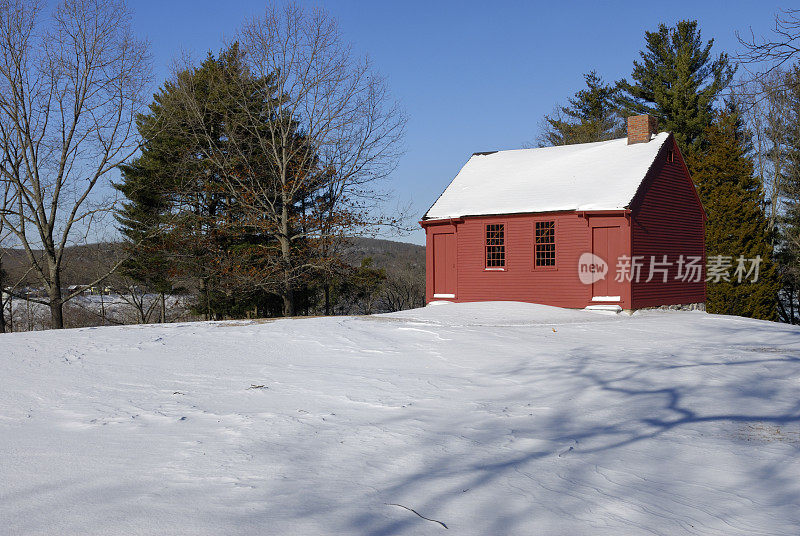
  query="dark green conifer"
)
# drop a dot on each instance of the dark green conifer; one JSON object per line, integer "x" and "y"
{"x": 677, "y": 81}
{"x": 737, "y": 224}
{"x": 178, "y": 219}
{"x": 591, "y": 116}
{"x": 789, "y": 221}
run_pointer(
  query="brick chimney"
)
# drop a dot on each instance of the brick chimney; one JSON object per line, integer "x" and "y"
{"x": 641, "y": 128}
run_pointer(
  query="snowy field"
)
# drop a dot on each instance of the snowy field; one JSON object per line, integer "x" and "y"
{"x": 495, "y": 418}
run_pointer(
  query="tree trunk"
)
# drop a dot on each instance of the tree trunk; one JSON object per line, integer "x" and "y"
{"x": 288, "y": 298}
{"x": 56, "y": 312}
{"x": 141, "y": 317}
{"x": 327, "y": 299}
{"x": 56, "y": 303}
{"x": 205, "y": 291}
{"x": 163, "y": 318}
{"x": 286, "y": 258}
{"x": 2, "y": 303}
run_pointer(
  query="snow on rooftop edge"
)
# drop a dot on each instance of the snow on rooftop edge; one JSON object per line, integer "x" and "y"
{"x": 589, "y": 176}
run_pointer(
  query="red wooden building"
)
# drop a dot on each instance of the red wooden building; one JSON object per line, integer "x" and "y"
{"x": 614, "y": 223}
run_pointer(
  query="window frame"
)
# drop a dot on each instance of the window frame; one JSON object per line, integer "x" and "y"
{"x": 486, "y": 267}
{"x": 534, "y": 245}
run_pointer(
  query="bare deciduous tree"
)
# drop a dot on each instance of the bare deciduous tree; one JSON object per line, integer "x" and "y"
{"x": 404, "y": 289}
{"x": 774, "y": 117}
{"x": 780, "y": 49}
{"x": 765, "y": 104}
{"x": 6, "y": 200}
{"x": 303, "y": 165}
{"x": 70, "y": 87}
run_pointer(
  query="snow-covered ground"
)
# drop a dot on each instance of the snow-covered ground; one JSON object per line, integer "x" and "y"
{"x": 494, "y": 418}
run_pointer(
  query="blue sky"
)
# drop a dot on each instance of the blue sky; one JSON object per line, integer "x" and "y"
{"x": 471, "y": 76}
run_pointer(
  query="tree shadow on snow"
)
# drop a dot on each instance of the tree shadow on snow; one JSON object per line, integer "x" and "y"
{"x": 577, "y": 468}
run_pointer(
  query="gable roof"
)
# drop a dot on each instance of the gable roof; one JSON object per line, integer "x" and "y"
{"x": 588, "y": 176}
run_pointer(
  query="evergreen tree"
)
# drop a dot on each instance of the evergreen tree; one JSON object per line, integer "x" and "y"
{"x": 737, "y": 224}
{"x": 789, "y": 221}
{"x": 179, "y": 220}
{"x": 141, "y": 219}
{"x": 678, "y": 82}
{"x": 590, "y": 116}
{"x": 205, "y": 165}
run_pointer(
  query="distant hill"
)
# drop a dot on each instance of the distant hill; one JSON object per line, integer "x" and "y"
{"x": 387, "y": 253}
{"x": 82, "y": 264}
{"x": 85, "y": 263}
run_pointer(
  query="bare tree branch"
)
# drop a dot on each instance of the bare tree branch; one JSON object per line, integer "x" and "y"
{"x": 304, "y": 164}
{"x": 72, "y": 84}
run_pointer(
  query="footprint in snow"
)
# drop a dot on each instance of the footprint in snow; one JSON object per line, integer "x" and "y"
{"x": 567, "y": 451}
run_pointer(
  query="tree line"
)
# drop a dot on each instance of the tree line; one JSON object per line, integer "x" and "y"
{"x": 740, "y": 136}
{"x": 242, "y": 178}
{"x": 245, "y": 174}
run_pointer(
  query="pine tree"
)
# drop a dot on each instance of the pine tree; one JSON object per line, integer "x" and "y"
{"x": 789, "y": 221}
{"x": 591, "y": 116}
{"x": 177, "y": 213}
{"x": 141, "y": 219}
{"x": 190, "y": 195}
{"x": 678, "y": 82}
{"x": 737, "y": 224}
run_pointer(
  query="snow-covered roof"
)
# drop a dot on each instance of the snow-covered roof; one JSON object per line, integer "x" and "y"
{"x": 587, "y": 176}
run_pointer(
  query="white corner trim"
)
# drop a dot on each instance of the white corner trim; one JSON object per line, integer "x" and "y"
{"x": 606, "y": 298}
{"x": 444, "y": 295}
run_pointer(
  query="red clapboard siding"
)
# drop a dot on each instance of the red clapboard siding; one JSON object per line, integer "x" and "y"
{"x": 520, "y": 281}
{"x": 667, "y": 219}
